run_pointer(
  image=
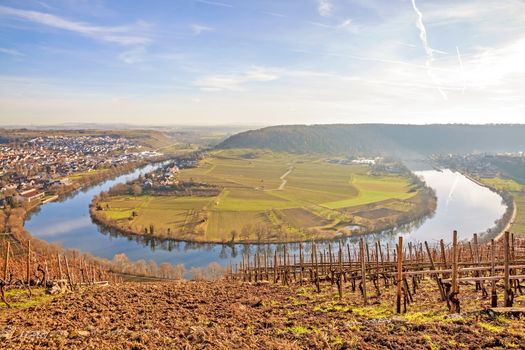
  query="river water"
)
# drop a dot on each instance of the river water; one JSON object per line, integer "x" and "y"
{"x": 462, "y": 205}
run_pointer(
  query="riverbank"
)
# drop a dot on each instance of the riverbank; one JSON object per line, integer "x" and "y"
{"x": 509, "y": 223}
{"x": 423, "y": 204}
{"x": 13, "y": 219}
{"x": 264, "y": 197}
{"x": 507, "y": 220}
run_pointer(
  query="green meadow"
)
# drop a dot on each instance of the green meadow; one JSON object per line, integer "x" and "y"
{"x": 266, "y": 196}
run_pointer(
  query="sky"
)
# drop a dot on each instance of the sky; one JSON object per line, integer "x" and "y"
{"x": 216, "y": 62}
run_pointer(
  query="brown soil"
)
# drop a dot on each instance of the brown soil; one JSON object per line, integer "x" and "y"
{"x": 377, "y": 213}
{"x": 232, "y": 315}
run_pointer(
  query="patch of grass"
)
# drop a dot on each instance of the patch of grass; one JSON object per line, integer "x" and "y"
{"x": 298, "y": 330}
{"x": 373, "y": 311}
{"x": 331, "y": 306}
{"x": 502, "y": 184}
{"x": 424, "y": 317}
{"x": 19, "y": 298}
{"x": 375, "y": 189}
{"x": 430, "y": 342}
{"x": 491, "y": 327}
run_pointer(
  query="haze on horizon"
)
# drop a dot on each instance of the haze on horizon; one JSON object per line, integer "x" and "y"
{"x": 210, "y": 62}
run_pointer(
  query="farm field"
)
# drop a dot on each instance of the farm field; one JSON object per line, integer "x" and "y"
{"x": 265, "y": 196}
{"x": 234, "y": 315}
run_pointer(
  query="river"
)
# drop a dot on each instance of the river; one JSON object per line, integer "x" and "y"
{"x": 462, "y": 205}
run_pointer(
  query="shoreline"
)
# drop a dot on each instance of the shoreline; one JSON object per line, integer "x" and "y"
{"x": 99, "y": 220}
{"x": 78, "y": 186}
{"x": 510, "y": 221}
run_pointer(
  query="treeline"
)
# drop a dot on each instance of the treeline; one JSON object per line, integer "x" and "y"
{"x": 120, "y": 263}
{"x": 11, "y": 220}
{"x": 181, "y": 188}
{"x": 382, "y": 139}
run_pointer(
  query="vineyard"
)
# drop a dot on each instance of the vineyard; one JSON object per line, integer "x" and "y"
{"x": 329, "y": 296}
{"x": 25, "y": 268}
{"x": 495, "y": 269}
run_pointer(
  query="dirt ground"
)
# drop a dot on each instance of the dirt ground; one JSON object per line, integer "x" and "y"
{"x": 234, "y": 315}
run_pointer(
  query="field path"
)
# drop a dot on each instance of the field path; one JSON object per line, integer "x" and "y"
{"x": 283, "y": 179}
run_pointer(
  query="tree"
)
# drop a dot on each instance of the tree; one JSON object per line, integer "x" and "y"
{"x": 245, "y": 232}
{"x": 120, "y": 262}
{"x": 214, "y": 271}
{"x": 233, "y": 234}
{"x": 197, "y": 274}
{"x": 152, "y": 268}
{"x": 136, "y": 190}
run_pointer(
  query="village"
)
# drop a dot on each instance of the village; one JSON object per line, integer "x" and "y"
{"x": 165, "y": 181}
{"x": 483, "y": 164}
{"x": 31, "y": 167}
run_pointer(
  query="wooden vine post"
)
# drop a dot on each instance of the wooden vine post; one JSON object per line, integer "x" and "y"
{"x": 399, "y": 273}
{"x": 6, "y": 266}
{"x": 4, "y": 282}
{"x": 453, "y": 296}
{"x": 363, "y": 269}
{"x": 28, "y": 266}
{"x": 436, "y": 277}
{"x": 301, "y": 264}
{"x": 508, "y": 292}
{"x": 494, "y": 295}
{"x": 60, "y": 267}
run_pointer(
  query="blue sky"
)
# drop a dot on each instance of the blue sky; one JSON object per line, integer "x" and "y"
{"x": 262, "y": 62}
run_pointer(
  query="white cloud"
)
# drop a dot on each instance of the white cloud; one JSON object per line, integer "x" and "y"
{"x": 473, "y": 11}
{"x": 120, "y": 35}
{"x": 274, "y": 14}
{"x": 133, "y": 56}
{"x": 235, "y": 82}
{"x": 347, "y": 24}
{"x": 214, "y": 3}
{"x": 198, "y": 29}
{"x": 325, "y": 7}
{"x": 11, "y": 52}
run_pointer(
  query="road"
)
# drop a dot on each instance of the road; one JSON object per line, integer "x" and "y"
{"x": 283, "y": 179}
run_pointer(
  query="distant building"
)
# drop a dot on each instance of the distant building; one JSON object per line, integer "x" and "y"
{"x": 32, "y": 195}
{"x": 364, "y": 161}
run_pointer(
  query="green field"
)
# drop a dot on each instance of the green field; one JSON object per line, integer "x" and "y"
{"x": 265, "y": 196}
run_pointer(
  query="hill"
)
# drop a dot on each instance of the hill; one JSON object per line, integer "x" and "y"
{"x": 231, "y": 315}
{"x": 382, "y": 139}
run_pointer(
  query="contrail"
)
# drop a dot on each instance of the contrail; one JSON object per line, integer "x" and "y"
{"x": 428, "y": 50}
{"x": 462, "y": 71}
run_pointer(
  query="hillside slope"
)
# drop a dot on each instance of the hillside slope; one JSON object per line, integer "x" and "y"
{"x": 231, "y": 315}
{"x": 386, "y": 139}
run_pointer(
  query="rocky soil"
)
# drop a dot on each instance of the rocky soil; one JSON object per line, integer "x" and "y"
{"x": 233, "y": 315}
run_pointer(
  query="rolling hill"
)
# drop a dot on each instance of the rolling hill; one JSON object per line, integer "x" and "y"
{"x": 383, "y": 139}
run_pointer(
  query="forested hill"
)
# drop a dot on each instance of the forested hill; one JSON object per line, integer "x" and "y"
{"x": 372, "y": 139}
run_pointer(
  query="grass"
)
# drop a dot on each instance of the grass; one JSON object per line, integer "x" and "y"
{"x": 503, "y": 184}
{"x": 252, "y": 206}
{"x": 374, "y": 189}
{"x": 19, "y": 298}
